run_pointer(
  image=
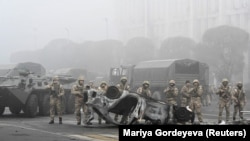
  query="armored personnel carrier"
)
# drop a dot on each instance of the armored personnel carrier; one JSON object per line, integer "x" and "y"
{"x": 22, "y": 88}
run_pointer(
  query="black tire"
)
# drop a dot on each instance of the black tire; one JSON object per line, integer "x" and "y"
{"x": 31, "y": 106}
{"x": 15, "y": 108}
{"x": 70, "y": 109}
{"x": 45, "y": 106}
{"x": 2, "y": 108}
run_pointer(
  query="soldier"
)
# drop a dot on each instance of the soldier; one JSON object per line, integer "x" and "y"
{"x": 90, "y": 96}
{"x": 144, "y": 89}
{"x": 78, "y": 90}
{"x": 171, "y": 94}
{"x": 102, "y": 91}
{"x": 56, "y": 93}
{"x": 195, "y": 103}
{"x": 224, "y": 92}
{"x": 212, "y": 91}
{"x": 239, "y": 99}
{"x": 185, "y": 95}
{"x": 123, "y": 86}
{"x": 205, "y": 97}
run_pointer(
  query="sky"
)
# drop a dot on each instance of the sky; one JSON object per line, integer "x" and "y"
{"x": 31, "y": 24}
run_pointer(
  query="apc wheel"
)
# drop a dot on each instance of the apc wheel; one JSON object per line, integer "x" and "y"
{"x": 44, "y": 109}
{"x": 31, "y": 106}
{"x": 2, "y": 108}
{"x": 70, "y": 109}
{"x": 15, "y": 109}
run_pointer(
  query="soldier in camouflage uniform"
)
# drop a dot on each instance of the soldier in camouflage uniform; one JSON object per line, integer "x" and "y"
{"x": 195, "y": 104}
{"x": 224, "y": 92}
{"x": 102, "y": 91}
{"x": 185, "y": 101}
{"x": 171, "y": 93}
{"x": 239, "y": 99}
{"x": 144, "y": 89}
{"x": 78, "y": 91}
{"x": 123, "y": 86}
{"x": 56, "y": 93}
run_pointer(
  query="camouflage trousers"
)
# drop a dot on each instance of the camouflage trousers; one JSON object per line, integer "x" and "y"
{"x": 238, "y": 108}
{"x": 195, "y": 106}
{"x": 224, "y": 104}
{"x": 80, "y": 104}
{"x": 55, "y": 103}
{"x": 171, "y": 102}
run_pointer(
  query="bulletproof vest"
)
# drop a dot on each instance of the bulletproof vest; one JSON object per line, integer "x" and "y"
{"x": 226, "y": 93}
{"x": 240, "y": 94}
{"x": 170, "y": 94}
{"x": 145, "y": 92}
{"x": 195, "y": 92}
{"x": 55, "y": 90}
{"x": 185, "y": 90}
{"x": 80, "y": 88}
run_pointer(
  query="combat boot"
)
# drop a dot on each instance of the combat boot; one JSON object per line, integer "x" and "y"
{"x": 60, "y": 120}
{"x": 51, "y": 122}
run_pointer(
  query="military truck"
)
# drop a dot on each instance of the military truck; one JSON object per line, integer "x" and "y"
{"x": 22, "y": 88}
{"x": 159, "y": 72}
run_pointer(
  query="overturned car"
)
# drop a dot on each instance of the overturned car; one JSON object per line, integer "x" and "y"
{"x": 137, "y": 107}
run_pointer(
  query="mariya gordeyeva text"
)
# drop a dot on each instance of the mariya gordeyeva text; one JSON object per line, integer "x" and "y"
{"x": 183, "y": 134}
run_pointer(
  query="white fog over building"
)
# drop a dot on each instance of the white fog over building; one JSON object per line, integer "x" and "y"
{"x": 160, "y": 19}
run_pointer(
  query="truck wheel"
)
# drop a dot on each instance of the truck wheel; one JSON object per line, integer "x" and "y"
{"x": 44, "y": 109}
{"x": 70, "y": 109}
{"x": 15, "y": 108}
{"x": 31, "y": 106}
{"x": 2, "y": 108}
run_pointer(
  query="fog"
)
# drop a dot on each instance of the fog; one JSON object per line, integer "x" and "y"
{"x": 99, "y": 34}
{"x": 30, "y": 25}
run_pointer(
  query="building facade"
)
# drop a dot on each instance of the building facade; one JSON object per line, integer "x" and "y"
{"x": 160, "y": 19}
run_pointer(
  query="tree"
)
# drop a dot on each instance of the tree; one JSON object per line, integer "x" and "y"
{"x": 104, "y": 54}
{"x": 222, "y": 48}
{"x": 138, "y": 49}
{"x": 176, "y": 47}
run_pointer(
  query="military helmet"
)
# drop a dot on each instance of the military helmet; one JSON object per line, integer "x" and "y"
{"x": 239, "y": 83}
{"x": 103, "y": 82}
{"x": 124, "y": 78}
{"x": 224, "y": 80}
{"x": 81, "y": 78}
{"x": 145, "y": 82}
{"x": 171, "y": 82}
{"x": 196, "y": 81}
